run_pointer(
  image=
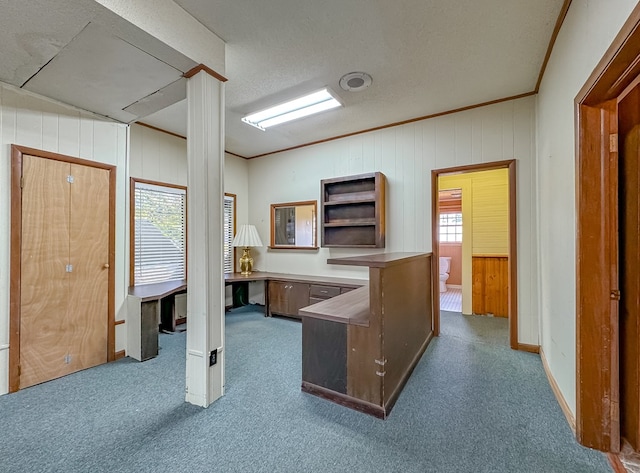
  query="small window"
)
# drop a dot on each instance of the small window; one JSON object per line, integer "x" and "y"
{"x": 450, "y": 227}
{"x": 229, "y": 231}
{"x": 159, "y": 232}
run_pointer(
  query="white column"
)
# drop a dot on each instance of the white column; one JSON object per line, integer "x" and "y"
{"x": 205, "y": 190}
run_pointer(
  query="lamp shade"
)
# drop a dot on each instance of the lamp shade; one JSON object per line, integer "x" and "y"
{"x": 247, "y": 236}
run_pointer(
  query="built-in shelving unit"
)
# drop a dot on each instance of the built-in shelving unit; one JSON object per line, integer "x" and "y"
{"x": 352, "y": 210}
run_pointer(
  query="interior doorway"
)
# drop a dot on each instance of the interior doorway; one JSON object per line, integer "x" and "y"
{"x": 62, "y": 260}
{"x": 511, "y": 264}
{"x": 450, "y": 221}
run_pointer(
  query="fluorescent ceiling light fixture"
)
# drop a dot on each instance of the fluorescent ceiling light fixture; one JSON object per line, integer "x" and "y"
{"x": 301, "y": 107}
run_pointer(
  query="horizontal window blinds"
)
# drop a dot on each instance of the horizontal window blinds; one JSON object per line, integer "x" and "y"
{"x": 229, "y": 226}
{"x": 160, "y": 234}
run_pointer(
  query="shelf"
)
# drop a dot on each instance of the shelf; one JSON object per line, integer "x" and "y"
{"x": 353, "y": 197}
{"x": 349, "y": 202}
{"x": 350, "y": 246}
{"x": 351, "y": 223}
{"x": 352, "y": 211}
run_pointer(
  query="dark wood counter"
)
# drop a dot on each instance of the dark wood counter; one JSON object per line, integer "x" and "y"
{"x": 349, "y": 308}
{"x": 361, "y": 365}
{"x": 380, "y": 260}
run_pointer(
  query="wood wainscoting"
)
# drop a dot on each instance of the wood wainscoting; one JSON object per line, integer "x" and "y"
{"x": 490, "y": 292}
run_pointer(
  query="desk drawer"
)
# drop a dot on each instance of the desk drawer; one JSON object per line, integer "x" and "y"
{"x": 324, "y": 292}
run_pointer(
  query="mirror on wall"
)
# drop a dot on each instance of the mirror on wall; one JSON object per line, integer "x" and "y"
{"x": 293, "y": 225}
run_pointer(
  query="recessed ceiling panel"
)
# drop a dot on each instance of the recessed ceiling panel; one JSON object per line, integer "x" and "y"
{"x": 168, "y": 95}
{"x": 172, "y": 118}
{"x": 102, "y": 73}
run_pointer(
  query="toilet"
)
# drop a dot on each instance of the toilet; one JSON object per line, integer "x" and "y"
{"x": 445, "y": 264}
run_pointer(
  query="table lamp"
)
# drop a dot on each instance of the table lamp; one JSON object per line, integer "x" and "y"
{"x": 246, "y": 238}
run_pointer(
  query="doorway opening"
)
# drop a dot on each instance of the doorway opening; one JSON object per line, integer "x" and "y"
{"x": 450, "y": 224}
{"x": 466, "y": 250}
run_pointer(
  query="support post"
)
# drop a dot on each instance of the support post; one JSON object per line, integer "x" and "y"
{"x": 205, "y": 192}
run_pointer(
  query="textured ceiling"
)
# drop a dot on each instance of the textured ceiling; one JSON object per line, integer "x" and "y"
{"x": 425, "y": 56}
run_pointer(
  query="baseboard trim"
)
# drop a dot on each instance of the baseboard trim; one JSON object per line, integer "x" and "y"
{"x": 119, "y": 354}
{"x": 344, "y": 400}
{"x": 529, "y": 348}
{"x": 454, "y": 286}
{"x": 559, "y": 397}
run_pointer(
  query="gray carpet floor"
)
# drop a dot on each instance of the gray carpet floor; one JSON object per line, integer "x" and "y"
{"x": 471, "y": 405}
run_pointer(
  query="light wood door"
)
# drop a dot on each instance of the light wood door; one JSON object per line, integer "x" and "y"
{"x": 64, "y": 279}
{"x": 89, "y": 255}
{"x": 44, "y": 282}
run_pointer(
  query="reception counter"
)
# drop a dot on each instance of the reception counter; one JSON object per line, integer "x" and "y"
{"x": 359, "y": 348}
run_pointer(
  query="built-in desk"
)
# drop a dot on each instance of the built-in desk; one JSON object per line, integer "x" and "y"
{"x": 359, "y": 348}
{"x": 285, "y": 294}
{"x": 149, "y": 306}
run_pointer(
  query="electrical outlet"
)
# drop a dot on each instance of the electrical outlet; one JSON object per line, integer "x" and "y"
{"x": 213, "y": 357}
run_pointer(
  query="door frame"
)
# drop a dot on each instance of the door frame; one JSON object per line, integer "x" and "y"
{"x": 513, "y": 245}
{"x": 17, "y": 153}
{"x": 597, "y": 323}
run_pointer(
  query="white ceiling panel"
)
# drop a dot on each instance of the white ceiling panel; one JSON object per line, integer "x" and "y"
{"x": 102, "y": 73}
{"x": 168, "y": 95}
{"x": 29, "y": 37}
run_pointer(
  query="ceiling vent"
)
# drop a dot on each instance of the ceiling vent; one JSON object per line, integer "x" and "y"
{"x": 355, "y": 81}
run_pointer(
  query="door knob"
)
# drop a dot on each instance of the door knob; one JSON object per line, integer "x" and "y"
{"x": 106, "y": 266}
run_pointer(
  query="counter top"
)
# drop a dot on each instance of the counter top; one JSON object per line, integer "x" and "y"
{"x": 380, "y": 260}
{"x": 149, "y": 292}
{"x": 349, "y": 308}
{"x": 263, "y": 275}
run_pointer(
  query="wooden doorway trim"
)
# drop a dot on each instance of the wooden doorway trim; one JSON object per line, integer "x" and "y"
{"x": 597, "y": 349}
{"x": 17, "y": 153}
{"x": 513, "y": 247}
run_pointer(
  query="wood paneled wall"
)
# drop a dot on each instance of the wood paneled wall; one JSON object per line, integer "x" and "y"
{"x": 491, "y": 212}
{"x": 489, "y": 216}
{"x": 490, "y": 294}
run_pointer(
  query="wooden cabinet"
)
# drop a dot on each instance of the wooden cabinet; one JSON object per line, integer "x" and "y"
{"x": 353, "y": 211}
{"x": 318, "y": 293}
{"x": 286, "y": 298}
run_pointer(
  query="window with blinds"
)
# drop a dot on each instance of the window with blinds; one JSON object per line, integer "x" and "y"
{"x": 159, "y": 233}
{"x": 229, "y": 231}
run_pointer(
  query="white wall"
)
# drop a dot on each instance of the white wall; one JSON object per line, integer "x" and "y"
{"x": 35, "y": 122}
{"x": 161, "y": 157}
{"x": 406, "y": 155}
{"x": 587, "y": 32}
{"x": 236, "y": 181}
{"x": 157, "y": 156}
